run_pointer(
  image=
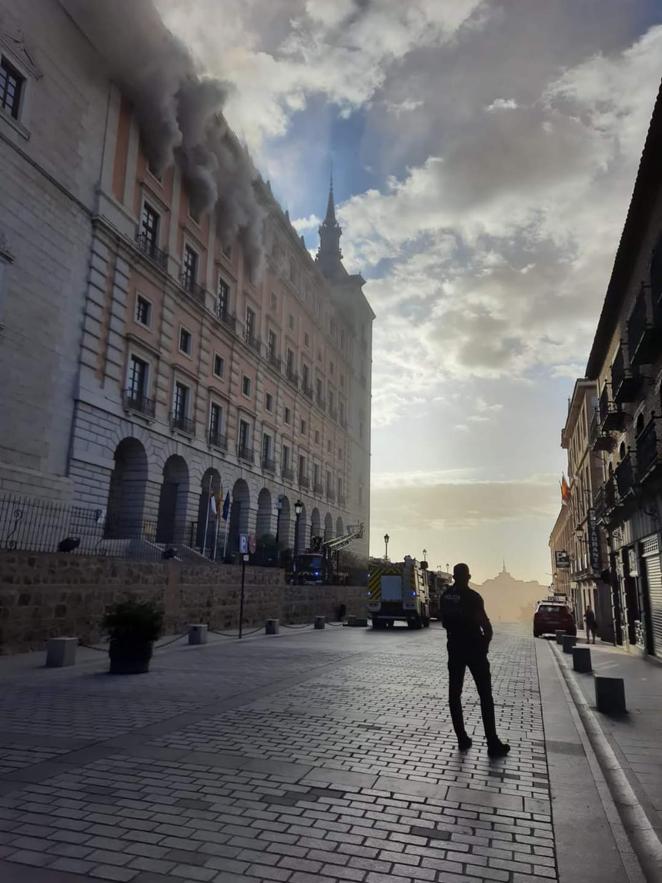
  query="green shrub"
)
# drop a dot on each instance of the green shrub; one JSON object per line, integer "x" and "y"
{"x": 135, "y": 621}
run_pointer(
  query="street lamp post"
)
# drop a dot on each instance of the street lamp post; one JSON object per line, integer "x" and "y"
{"x": 298, "y": 509}
{"x": 279, "y": 508}
{"x": 425, "y": 554}
{"x": 386, "y": 539}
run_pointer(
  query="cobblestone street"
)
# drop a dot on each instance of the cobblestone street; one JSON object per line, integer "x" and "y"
{"x": 312, "y": 756}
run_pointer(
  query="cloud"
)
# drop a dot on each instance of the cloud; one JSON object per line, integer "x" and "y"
{"x": 502, "y": 104}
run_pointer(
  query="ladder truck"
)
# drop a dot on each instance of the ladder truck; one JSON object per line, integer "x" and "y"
{"x": 320, "y": 564}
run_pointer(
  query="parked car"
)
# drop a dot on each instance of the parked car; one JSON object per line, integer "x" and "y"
{"x": 551, "y": 616}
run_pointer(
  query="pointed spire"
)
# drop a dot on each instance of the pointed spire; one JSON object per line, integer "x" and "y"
{"x": 330, "y": 218}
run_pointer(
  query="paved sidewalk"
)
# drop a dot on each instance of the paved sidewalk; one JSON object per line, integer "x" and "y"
{"x": 314, "y": 756}
{"x": 635, "y": 738}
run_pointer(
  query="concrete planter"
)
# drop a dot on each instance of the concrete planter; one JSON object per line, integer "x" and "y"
{"x": 130, "y": 657}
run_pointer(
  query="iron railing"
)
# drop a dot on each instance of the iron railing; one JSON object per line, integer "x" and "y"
{"x": 245, "y": 453}
{"x": 183, "y": 424}
{"x": 624, "y": 476}
{"x": 611, "y": 415}
{"x": 292, "y": 376}
{"x": 649, "y": 453}
{"x": 274, "y": 360}
{"x": 252, "y": 341}
{"x": 625, "y": 378}
{"x": 29, "y": 524}
{"x": 304, "y": 481}
{"x": 342, "y": 501}
{"x": 330, "y": 495}
{"x": 227, "y": 318}
{"x": 288, "y": 473}
{"x": 218, "y": 439}
{"x": 149, "y": 248}
{"x": 194, "y": 288}
{"x": 134, "y": 401}
{"x": 318, "y": 488}
{"x": 269, "y": 465}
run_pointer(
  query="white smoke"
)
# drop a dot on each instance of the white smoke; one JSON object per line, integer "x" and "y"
{"x": 179, "y": 113}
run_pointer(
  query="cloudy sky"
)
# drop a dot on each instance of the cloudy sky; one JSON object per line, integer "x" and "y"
{"x": 484, "y": 153}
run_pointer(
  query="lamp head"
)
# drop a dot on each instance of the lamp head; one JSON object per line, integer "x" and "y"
{"x": 298, "y": 507}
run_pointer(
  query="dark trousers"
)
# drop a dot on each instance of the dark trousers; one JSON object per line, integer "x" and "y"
{"x": 477, "y": 663}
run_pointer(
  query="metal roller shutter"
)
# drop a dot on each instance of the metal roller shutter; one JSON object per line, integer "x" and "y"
{"x": 650, "y": 550}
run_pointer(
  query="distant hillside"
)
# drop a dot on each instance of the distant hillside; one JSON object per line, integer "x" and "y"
{"x": 511, "y": 600}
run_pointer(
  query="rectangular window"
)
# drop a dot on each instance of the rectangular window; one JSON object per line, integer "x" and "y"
{"x": 190, "y": 271}
{"x": 143, "y": 311}
{"x": 289, "y": 364}
{"x": 185, "y": 341}
{"x": 272, "y": 344}
{"x": 303, "y": 427}
{"x": 149, "y": 227}
{"x": 246, "y": 386}
{"x": 215, "y": 421}
{"x": 318, "y": 384}
{"x": 180, "y": 404}
{"x": 11, "y": 87}
{"x": 219, "y": 365}
{"x": 286, "y": 457}
{"x": 291, "y": 321}
{"x": 287, "y": 415}
{"x": 223, "y": 303}
{"x": 137, "y": 378}
{"x": 266, "y": 447}
{"x": 331, "y": 400}
{"x": 316, "y": 474}
{"x": 306, "y": 339}
{"x": 244, "y": 439}
{"x": 250, "y": 323}
{"x": 302, "y": 465}
{"x": 269, "y": 402}
{"x": 317, "y": 436}
{"x": 305, "y": 375}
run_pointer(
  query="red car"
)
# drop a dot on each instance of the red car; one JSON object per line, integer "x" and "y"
{"x": 551, "y": 616}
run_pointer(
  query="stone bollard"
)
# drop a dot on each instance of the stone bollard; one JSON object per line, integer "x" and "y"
{"x": 568, "y": 642}
{"x": 271, "y": 627}
{"x": 60, "y": 652}
{"x": 559, "y": 635}
{"x": 197, "y": 633}
{"x": 320, "y": 622}
{"x": 610, "y": 695}
{"x": 581, "y": 659}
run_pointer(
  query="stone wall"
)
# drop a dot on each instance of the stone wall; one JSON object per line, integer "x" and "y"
{"x": 44, "y": 595}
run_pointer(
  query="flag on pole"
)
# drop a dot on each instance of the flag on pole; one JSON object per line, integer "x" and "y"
{"x": 226, "y": 506}
{"x": 565, "y": 491}
{"x": 212, "y": 504}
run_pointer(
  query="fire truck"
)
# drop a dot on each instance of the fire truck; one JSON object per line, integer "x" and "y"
{"x": 398, "y": 592}
{"x": 320, "y": 564}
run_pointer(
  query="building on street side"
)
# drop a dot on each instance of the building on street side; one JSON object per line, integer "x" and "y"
{"x": 560, "y": 544}
{"x": 191, "y": 349}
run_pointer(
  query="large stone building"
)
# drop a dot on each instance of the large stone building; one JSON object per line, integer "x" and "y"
{"x": 615, "y": 443}
{"x": 162, "y": 346}
{"x": 560, "y": 544}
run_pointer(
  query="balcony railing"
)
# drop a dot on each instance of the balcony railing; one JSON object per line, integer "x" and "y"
{"x": 288, "y": 473}
{"x": 183, "y": 424}
{"x": 194, "y": 288}
{"x": 227, "y": 318}
{"x": 330, "y": 495}
{"x": 644, "y": 338}
{"x": 604, "y": 501}
{"x": 599, "y": 440}
{"x": 292, "y": 376}
{"x": 218, "y": 439}
{"x": 148, "y": 247}
{"x": 342, "y": 501}
{"x": 624, "y": 476}
{"x": 245, "y": 453}
{"x": 274, "y": 360}
{"x": 253, "y": 342}
{"x": 304, "y": 481}
{"x": 611, "y": 416}
{"x": 625, "y": 378}
{"x": 318, "y": 488}
{"x": 269, "y": 465}
{"x": 321, "y": 403}
{"x": 649, "y": 449}
{"x": 134, "y": 401}
{"x": 307, "y": 391}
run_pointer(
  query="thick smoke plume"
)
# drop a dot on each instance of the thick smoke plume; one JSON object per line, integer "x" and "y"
{"x": 179, "y": 113}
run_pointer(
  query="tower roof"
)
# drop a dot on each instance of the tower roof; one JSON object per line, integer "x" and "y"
{"x": 330, "y": 217}
{"x": 329, "y": 255}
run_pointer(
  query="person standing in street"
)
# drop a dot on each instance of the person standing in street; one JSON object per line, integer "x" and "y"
{"x": 469, "y": 634}
{"x": 591, "y": 624}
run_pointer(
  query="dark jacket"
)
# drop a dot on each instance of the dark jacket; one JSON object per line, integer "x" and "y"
{"x": 464, "y": 618}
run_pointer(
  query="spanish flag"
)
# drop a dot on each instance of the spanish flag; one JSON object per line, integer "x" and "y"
{"x": 565, "y": 490}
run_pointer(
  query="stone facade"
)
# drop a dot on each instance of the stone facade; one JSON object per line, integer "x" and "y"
{"x": 136, "y": 385}
{"x": 49, "y": 164}
{"x": 44, "y": 596}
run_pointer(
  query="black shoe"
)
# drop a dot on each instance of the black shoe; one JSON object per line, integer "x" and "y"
{"x": 498, "y": 749}
{"x": 464, "y": 744}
